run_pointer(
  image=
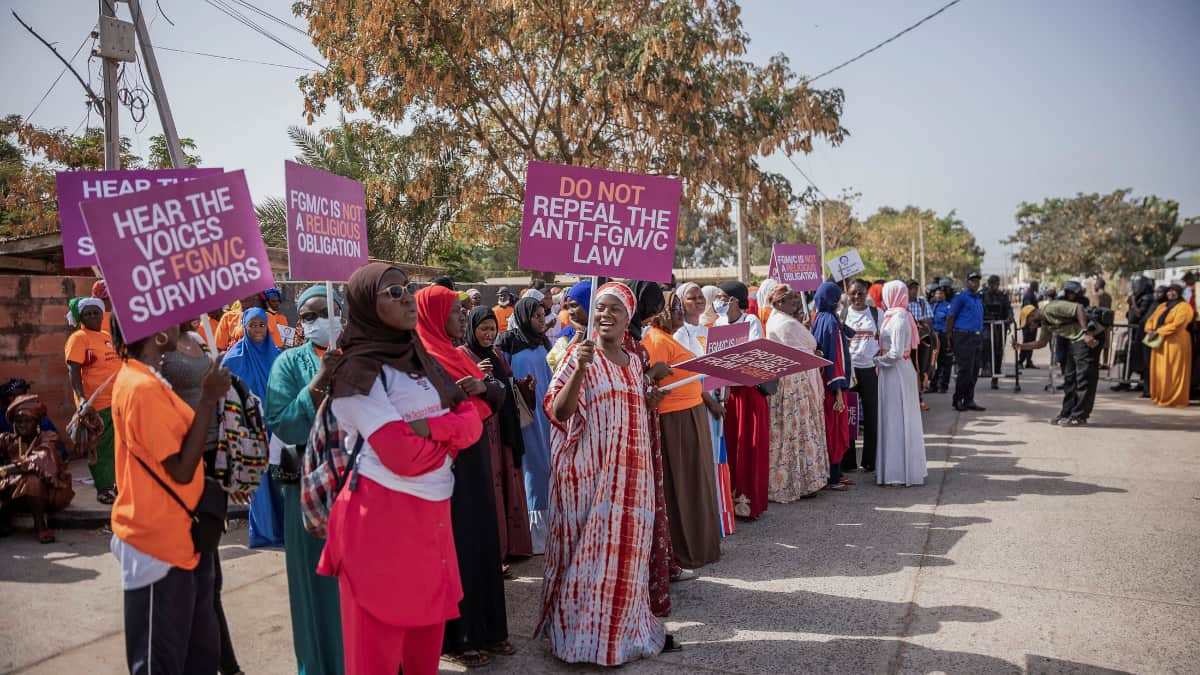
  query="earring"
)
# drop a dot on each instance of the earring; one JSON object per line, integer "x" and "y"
{"x": 161, "y": 340}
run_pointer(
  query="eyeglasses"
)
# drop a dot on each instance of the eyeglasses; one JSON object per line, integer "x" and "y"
{"x": 395, "y": 292}
{"x": 313, "y": 316}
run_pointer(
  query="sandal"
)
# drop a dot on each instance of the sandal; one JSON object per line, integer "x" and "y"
{"x": 107, "y": 496}
{"x": 506, "y": 571}
{"x": 471, "y": 659}
{"x": 671, "y": 645}
{"x": 847, "y": 481}
{"x": 502, "y": 648}
{"x": 46, "y": 536}
{"x": 837, "y": 487}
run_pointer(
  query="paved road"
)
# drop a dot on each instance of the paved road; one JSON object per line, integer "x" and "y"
{"x": 1032, "y": 548}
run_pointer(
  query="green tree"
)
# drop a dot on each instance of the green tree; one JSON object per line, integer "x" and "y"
{"x": 890, "y": 236}
{"x": 159, "y": 158}
{"x": 1089, "y": 234}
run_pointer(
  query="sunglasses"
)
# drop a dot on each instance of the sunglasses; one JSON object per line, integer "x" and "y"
{"x": 395, "y": 292}
{"x": 313, "y": 316}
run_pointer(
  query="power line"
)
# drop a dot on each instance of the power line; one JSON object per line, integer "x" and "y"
{"x": 254, "y": 8}
{"x": 224, "y": 8}
{"x": 906, "y": 30}
{"x": 231, "y": 58}
{"x": 810, "y": 181}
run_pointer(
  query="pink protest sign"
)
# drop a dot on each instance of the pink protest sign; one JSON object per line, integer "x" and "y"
{"x": 754, "y": 362}
{"x": 797, "y": 265}
{"x": 171, "y": 253}
{"x": 591, "y": 221}
{"x": 75, "y": 186}
{"x": 852, "y": 409}
{"x": 327, "y": 224}
{"x": 724, "y": 337}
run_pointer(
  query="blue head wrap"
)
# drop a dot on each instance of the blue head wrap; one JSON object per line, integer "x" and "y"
{"x": 582, "y": 294}
{"x": 831, "y": 334}
{"x": 251, "y": 361}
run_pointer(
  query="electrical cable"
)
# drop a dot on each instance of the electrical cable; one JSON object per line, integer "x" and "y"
{"x": 249, "y": 23}
{"x": 862, "y": 54}
{"x": 53, "y": 84}
{"x": 231, "y": 58}
{"x": 254, "y": 8}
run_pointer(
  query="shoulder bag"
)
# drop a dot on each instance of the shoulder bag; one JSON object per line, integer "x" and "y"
{"x": 208, "y": 518}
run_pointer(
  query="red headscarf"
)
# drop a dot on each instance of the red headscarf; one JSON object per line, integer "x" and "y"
{"x": 434, "y": 304}
{"x": 875, "y": 292}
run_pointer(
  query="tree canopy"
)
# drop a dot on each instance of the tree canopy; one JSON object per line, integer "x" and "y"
{"x": 649, "y": 86}
{"x": 1110, "y": 234}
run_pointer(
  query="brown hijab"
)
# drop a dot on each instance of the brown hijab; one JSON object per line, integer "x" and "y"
{"x": 368, "y": 344}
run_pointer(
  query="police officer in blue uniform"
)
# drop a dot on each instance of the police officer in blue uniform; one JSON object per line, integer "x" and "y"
{"x": 964, "y": 327}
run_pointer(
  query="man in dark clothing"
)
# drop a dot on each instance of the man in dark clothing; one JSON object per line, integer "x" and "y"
{"x": 945, "y": 357}
{"x": 1065, "y": 319}
{"x": 997, "y": 315}
{"x": 964, "y": 324}
{"x": 1029, "y": 331}
{"x": 1141, "y": 300}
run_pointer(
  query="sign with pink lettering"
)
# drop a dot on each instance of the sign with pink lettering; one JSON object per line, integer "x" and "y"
{"x": 724, "y": 337}
{"x": 327, "y": 224}
{"x": 170, "y": 254}
{"x": 75, "y": 186}
{"x": 797, "y": 265}
{"x": 852, "y": 408}
{"x": 592, "y": 221}
{"x": 754, "y": 362}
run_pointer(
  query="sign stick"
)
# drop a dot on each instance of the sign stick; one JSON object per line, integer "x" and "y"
{"x": 680, "y": 383}
{"x": 208, "y": 334}
{"x": 592, "y": 308}
{"x": 329, "y": 304}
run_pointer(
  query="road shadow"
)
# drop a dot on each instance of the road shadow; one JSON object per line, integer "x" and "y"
{"x": 24, "y": 560}
{"x": 1037, "y": 665}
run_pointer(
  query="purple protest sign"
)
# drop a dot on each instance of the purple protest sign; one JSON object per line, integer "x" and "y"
{"x": 591, "y": 221}
{"x": 170, "y": 254}
{"x": 753, "y": 362}
{"x": 852, "y": 409}
{"x": 724, "y": 337}
{"x": 75, "y": 186}
{"x": 327, "y": 224}
{"x": 797, "y": 265}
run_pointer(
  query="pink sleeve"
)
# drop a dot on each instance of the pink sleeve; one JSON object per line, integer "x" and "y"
{"x": 404, "y": 453}
{"x": 458, "y": 429}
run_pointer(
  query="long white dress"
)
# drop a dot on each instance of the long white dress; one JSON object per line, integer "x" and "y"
{"x": 901, "y": 449}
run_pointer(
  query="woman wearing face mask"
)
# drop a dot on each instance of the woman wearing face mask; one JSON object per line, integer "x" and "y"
{"x": 526, "y": 348}
{"x": 298, "y": 384}
{"x": 504, "y": 431}
{"x": 482, "y": 626}
{"x": 390, "y": 541}
{"x": 748, "y": 417}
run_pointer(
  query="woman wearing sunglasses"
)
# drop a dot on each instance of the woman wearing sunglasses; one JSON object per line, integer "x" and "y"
{"x": 298, "y": 383}
{"x": 390, "y": 542}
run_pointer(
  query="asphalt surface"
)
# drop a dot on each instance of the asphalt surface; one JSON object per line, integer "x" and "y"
{"x": 1031, "y": 548}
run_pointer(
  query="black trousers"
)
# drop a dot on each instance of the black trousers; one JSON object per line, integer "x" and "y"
{"x": 229, "y": 662}
{"x": 945, "y": 364}
{"x": 868, "y": 396}
{"x": 1028, "y": 334}
{"x": 171, "y": 625}
{"x": 1081, "y": 372}
{"x": 966, "y": 358}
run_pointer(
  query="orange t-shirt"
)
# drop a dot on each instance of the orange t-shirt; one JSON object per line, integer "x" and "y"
{"x": 93, "y": 351}
{"x": 106, "y": 324}
{"x": 229, "y": 330}
{"x": 663, "y": 347}
{"x": 150, "y": 422}
{"x": 274, "y": 321}
{"x": 502, "y": 314}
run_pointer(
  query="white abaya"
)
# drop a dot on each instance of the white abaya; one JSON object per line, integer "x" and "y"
{"x": 901, "y": 449}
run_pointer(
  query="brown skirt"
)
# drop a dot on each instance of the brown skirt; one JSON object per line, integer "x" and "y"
{"x": 31, "y": 485}
{"x": 691, "y": 490}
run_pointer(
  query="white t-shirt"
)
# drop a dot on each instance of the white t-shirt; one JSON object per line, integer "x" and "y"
{"x": 406, "y": 398}
{"x": 694, "y": 337}
{"x": 864, "y": 346}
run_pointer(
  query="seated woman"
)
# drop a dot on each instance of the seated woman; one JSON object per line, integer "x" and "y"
{"x": 32, "y": 476}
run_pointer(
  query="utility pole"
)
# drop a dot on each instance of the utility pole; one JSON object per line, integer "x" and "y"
{"x": 178, "y": 159}
{"x": 112, "y": 131}
{"x": 912, "y": 261}
{"x": 921, "y": 237}
{"x": 821, "y": 218}
{"x": 743, "y": 243}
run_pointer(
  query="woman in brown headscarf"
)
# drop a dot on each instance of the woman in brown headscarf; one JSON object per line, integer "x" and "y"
{"x": 390, "y": 542}
{"x": 32, "y": 476}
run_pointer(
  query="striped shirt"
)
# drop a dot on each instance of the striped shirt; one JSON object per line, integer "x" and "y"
{"x": 920, "y": 309}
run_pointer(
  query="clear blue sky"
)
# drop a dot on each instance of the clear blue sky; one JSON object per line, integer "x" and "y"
{"x": 987, "y": 105}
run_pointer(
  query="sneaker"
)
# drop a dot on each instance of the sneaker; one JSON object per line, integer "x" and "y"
{"x": 1058, "y": 420}
{"x": 1120, "y": 386}
{"x": 973, "y": 406}
{"x": 1075, "y": 423}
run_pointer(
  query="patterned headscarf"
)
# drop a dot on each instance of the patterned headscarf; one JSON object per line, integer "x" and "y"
{"x": 100, "y": 289}
{"x": 26, "y": 403}
{"x": 622, "y": 293}
{"x": 77, "y": 305}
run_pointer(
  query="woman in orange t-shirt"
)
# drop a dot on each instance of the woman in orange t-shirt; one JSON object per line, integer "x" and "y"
{"x": 170, "y": 617}
{"x": 92, "y": 363}
{"x": 272, "y": 299}
{"x": 689, "y": 477}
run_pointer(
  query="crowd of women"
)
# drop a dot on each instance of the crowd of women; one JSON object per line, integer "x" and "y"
{"x": 480, "y": 441}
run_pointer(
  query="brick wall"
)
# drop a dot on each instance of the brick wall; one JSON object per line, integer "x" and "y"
{"x": 33, "y": 335}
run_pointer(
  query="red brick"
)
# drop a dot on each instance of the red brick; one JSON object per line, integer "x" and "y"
{"x": 10, "y": 346}
{"x": 47, "y": 287}
{"x": 47, "y": 344}
{"x": 54, "y": 314}
{"x": 14, "y": 286}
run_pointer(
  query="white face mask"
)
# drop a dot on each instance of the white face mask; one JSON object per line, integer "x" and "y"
{"x": 721, "y": 308}
{"x": 317, "y": 331}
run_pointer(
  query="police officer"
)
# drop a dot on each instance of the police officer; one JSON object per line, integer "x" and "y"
{"x": 1066, "y": 318}
{"x": 964, "y": 325}
{"x": 997, "y": 314}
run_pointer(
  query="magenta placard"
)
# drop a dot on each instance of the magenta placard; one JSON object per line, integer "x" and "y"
{"x": 171, "y": 253}
{"x": 754, "y": 362}
{"x": 327, "y": 224}
{"x": 592, "y": 221}
{"x": 852, "y": 409}
{"x": 797, "y": 265}
{"x": 724, "y": 337}
{"x": 76, "y": 186}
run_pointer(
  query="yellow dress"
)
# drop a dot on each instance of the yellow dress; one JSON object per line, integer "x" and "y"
{"x": 1171, "y": 364}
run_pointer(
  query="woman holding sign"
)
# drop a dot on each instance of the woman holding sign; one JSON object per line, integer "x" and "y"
{"x": 799, "y": 460}
{"x": 526, "y": 347}
{"x": 748, "y": 422}
{"x": 595, "y": 599}
{"x": 390, "y": 540}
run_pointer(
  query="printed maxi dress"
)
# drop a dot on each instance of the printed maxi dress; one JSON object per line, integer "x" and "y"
{"x": 799, "y": 459}
{"x": 596, "y": 598}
